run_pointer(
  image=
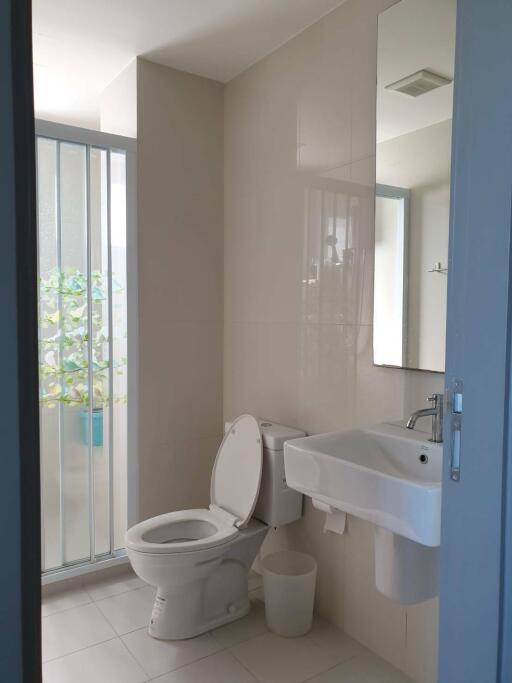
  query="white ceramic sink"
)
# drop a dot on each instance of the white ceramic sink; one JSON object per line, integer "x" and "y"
{"x": 385, "y": 474}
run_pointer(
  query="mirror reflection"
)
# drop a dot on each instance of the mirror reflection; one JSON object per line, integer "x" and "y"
{"x": 416, "y": 52}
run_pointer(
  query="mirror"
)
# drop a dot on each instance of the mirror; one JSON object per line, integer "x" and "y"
{"x": 416, "y": 54}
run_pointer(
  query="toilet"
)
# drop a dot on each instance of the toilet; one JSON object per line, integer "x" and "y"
{"x": 199, "y": 559}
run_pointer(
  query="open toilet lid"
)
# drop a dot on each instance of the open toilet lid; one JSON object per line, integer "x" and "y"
{"x": 236, "y": 475}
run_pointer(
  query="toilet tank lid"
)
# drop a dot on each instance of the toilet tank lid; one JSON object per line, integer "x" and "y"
{"x": 274, "y": 434}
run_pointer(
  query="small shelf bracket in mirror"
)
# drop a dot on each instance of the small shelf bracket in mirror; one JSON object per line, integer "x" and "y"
{"x": 438, "y": 268}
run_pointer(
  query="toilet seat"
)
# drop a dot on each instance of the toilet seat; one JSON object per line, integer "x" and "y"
{"x": 236, "y": 475}
{"x": 179, "y": 532}
{"x": 235, "y": 485}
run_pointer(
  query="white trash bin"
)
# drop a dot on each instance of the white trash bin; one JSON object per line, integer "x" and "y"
{"x": 289, "y": 580}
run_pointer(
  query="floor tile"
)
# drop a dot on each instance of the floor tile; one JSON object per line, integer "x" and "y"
{"x": 219, "y": 668}
{"x": 129, "y": 611}
{"x": 366, "y": 668}
{"x": 74, "y": 629}
{"x": 335, "y": 641}
{"x": 283, "y": 660}
{"x": 161, "y": 656}
{"x": 242, "y": 629}
{"x": 99, "y": 589}
{"x": 254, "y": 580}
{"x": 108, "y": 662}
{"x": 65, "y": 599}
{"x": 257, "y": 594}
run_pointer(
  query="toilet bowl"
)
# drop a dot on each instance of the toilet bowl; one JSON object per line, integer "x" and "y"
{"x": 201, "y": 577}
{"x": 199, "y": 559}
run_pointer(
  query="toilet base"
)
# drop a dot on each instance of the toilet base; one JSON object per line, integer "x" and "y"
{"x": 200, "y": 591}
{"x": 205, "y": 601}
{"x": 162, "y": 625}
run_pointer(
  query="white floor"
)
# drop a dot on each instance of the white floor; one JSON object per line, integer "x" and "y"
{"x": 96, "y": 633}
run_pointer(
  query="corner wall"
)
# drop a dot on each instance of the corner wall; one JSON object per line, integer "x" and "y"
{"x": 118, "y": 104}
{"x": 180, "y": 225}
{"x": 178, "y": 121}
{"x": 299, "y": 167}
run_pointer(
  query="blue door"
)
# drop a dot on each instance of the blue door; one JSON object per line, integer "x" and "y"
{"x": 474, "y": 619}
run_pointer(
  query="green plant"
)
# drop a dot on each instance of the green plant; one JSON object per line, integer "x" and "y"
{"x": 64, "y": 356}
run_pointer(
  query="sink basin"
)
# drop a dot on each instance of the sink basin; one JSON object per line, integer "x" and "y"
{"x": 385, "y": 474}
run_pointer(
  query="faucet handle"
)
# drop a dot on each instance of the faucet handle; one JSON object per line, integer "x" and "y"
{"x": 436, "y": 399}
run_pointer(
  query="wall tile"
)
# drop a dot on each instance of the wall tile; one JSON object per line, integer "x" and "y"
{"x": 369, "y": 617}
{"x": 421, "y": 652}
{"x": 261, "y": 374}
{"x": 181, "y": 396}
{"x": 176, "y": 475}
{"x": 298, "y": 288}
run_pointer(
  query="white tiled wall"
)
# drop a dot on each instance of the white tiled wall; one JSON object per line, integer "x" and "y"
{"x": 299, "y": 141}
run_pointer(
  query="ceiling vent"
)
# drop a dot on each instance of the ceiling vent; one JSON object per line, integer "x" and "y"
{"x": 419, "y": 83}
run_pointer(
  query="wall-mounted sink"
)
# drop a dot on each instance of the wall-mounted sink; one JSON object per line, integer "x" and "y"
{"x": 388, "y": 475}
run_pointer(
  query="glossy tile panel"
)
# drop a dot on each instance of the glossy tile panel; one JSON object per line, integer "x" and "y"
{"x": 298, "y": 259}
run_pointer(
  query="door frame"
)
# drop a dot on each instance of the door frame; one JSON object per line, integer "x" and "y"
{"x": 20, "y": 603}
{"x": 475, "y": 634}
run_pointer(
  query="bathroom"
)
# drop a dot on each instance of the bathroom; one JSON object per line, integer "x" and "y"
{"x": 259, "y": 202}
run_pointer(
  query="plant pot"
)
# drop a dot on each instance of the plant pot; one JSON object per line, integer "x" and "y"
{"x": 97, "y": 426}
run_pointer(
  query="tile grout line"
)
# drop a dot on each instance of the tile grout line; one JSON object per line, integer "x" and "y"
{"x": 90, "y": 601}
{"x": 222, "y": 648}
{"x": 80, "y": 649}
{"x": 132, "y": 656}
{"x": 67, "y": 609}
{"x": 106, "y": 597}
{"x": 119, "y": 635}
{"x": 331, "y": 668}
{"x": 178, "y": 668}
{"x": 245, "y": 668}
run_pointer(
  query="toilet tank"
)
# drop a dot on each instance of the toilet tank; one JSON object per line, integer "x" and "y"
{"x": 277, "y": 503}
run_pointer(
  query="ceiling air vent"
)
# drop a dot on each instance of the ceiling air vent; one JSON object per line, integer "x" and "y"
{"x": 419, "y": 83}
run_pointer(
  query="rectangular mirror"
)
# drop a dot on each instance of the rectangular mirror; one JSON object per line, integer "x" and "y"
{"x": 416, "y": 55}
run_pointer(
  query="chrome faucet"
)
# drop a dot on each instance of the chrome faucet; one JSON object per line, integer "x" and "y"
{"x": 437, "y": 417}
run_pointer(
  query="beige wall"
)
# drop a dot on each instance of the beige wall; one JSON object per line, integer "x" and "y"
{"x": 299, "y": 157}
{"x": 299, "y": 144}
{"x": 118, "y": 103}
{"x": 180, "y": 227}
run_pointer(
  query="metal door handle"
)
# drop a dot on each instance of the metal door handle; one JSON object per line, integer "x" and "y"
{"x": 456, "y": 429}
{"x": 455, "y": 446}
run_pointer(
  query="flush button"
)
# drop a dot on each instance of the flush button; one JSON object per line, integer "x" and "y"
{"x": 266, "y": 424}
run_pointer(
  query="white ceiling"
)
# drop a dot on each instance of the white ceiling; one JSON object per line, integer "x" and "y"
{"x": 81, "y": 45}
{"x": 414, "y": 35}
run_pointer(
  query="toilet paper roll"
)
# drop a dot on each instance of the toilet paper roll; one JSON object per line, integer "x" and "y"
{"x": 335, "y": 520}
